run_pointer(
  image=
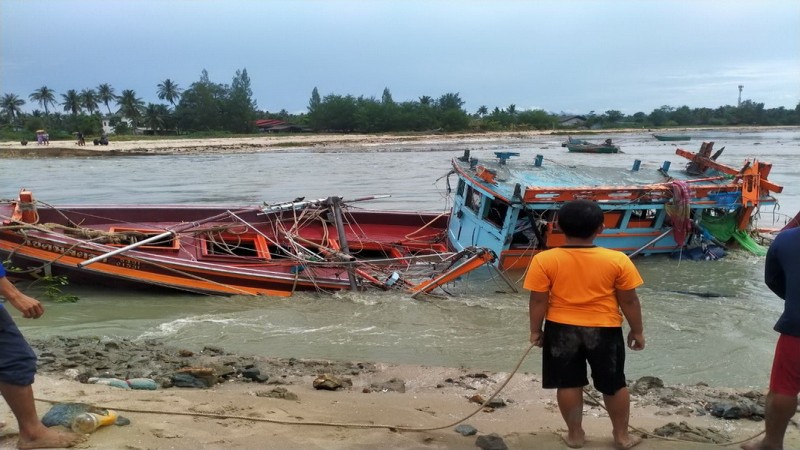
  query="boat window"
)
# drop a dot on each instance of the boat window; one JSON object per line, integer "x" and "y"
{"x": 496, "y": 213}
{"x": 460, "y": 188}
{"x": 235, "y": 246}
{"x": 121, "y": 237}
{"x": 473, "y": 200}
{"x": 642, "y": 218}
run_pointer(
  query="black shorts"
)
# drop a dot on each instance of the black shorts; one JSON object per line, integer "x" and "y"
{"x": 17, "y": 359}
{"x": 567, "y": 349}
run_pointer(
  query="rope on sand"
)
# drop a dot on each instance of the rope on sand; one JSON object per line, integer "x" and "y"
{"x": 396, "y": 428}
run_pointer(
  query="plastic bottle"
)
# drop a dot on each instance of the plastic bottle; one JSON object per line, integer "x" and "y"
{"x": 87, "y": 422}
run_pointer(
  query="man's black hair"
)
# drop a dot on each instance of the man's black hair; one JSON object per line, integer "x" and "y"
{"x": 580, "y": 218}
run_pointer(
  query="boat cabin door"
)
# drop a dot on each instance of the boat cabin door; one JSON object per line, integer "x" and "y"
{"x": 480, "y": 220}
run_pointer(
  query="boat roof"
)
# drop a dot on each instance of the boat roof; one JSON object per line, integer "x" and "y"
{"x": 549, "y": 179}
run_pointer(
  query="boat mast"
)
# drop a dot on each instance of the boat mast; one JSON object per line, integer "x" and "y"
{"x": 336, "y": 205}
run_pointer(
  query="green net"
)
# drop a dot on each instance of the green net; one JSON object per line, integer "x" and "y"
{"x": 747, "y": 242}
{"x": 724, "y": 228}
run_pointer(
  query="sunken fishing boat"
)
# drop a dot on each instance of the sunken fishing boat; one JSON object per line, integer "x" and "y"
{"x": 672, "y": 137}
{"x": 510, "y": 204}
{"x": 322, "y": 245}
{"x": 583, "y": 146}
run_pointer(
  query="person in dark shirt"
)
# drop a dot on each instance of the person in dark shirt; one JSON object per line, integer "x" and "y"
{"x": 782, "y": 276}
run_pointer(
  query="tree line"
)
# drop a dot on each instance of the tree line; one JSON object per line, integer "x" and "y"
{"x": 208, "y": 107}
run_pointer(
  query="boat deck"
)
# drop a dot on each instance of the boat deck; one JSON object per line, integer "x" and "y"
{"x": 556, "y": 176}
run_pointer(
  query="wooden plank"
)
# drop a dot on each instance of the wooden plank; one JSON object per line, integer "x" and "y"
{"x": 706, "y": 162}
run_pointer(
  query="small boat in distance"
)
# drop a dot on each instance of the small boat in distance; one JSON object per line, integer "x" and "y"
{"x": 322, "y": 245}
{"x": 512, "y": 208}
{"x": 572, "y": 140}
{"x": 672, "y": 137}
{"x": 582, "y": 146}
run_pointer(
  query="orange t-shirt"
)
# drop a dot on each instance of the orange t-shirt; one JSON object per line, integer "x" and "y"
{"x": 582, "y": 282}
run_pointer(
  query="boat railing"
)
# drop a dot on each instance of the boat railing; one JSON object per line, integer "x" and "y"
{"x": 651, "y": 193}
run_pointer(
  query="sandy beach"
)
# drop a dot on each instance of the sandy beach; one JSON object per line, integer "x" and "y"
{"x": 238, "y": 415}
{"x": 215, "y": 399}
{"x": 294, "y": 143}
{"x": 303, "y": 142}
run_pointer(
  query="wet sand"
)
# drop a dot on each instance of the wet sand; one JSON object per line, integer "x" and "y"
{"x": 238, "y": 415}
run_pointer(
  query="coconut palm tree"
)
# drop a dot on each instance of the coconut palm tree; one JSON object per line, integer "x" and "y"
{"x": 105, "y": 93}
{"x": 483, "y": 110}
{"x": 130, "y": 106}
{"x": 89, "y": 100}
{"x": 154, "y": 116}
{"x": 168, "y": 90}
{"x": 11, "y": 106}
{"x": 44, "y": 96}
{"x": 72, "y": 101}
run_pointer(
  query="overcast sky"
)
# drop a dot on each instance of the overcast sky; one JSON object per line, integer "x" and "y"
{"x": 561, "y": 56}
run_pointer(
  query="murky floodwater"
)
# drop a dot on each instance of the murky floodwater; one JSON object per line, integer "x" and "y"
{"x": 721, "y": 340}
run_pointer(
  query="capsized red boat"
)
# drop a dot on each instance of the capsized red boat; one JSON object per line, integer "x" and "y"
{"x": 321, "y": 245}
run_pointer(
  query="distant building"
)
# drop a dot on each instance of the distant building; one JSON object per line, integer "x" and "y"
{"x": 277, "y": 125}
{"x": 109, "y": 129}
{"x": 572, "y": 121}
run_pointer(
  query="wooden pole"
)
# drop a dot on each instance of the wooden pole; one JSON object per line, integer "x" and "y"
{"x": 335, "y": 203}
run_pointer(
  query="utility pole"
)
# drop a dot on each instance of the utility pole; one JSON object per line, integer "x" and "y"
{"x": 741, "y": 86}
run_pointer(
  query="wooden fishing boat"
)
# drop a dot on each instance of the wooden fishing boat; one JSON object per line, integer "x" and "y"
{"x": 511, "y": 207}
{"x": 324, "y": 245}
{"x": 588, "y": 147}
{"x": 672, "y": 137}
{"x": 573, "y": 141}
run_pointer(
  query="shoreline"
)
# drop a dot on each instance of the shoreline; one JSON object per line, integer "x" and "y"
{"x": 283, "y": 409}
{"x": 308, "y": 143}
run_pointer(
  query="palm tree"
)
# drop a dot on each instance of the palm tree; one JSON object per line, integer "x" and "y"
{"x": 512, "y": 111}
{"x": 72, "y": 101}
{"x": 89, "y": 100}
{"x": 11, "y": 105}
{"x": 168, "y": 90}
{"x": 483, "y": 110}
{"x": 154, "y": 116}
{"x": 425, "y": 100}
{"x": 130, "y": 106}
{"x": 44, "y": 96}
{"x": 105, "y": 93}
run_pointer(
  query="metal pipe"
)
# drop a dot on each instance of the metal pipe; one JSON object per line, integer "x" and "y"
{"x": 652, "y": 241}
{"x": 126, "y": 248}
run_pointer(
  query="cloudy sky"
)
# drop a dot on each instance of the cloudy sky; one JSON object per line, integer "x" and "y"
{"x": 571, "y": 56}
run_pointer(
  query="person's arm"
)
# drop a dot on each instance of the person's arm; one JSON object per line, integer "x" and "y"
{"x": 28, "y": 306}
{"x": 632, "y": 310}
{"x": 537, "y": 306}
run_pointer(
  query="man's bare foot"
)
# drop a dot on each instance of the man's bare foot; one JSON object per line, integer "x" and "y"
{"x": 630, "y": 442}
{"x": 575, "y": 441}
{"x": 51, "y": 438}
{"x": 758, "y": 445}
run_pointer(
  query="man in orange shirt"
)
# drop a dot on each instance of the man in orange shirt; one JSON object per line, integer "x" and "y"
{"x": 583, "y": 291}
